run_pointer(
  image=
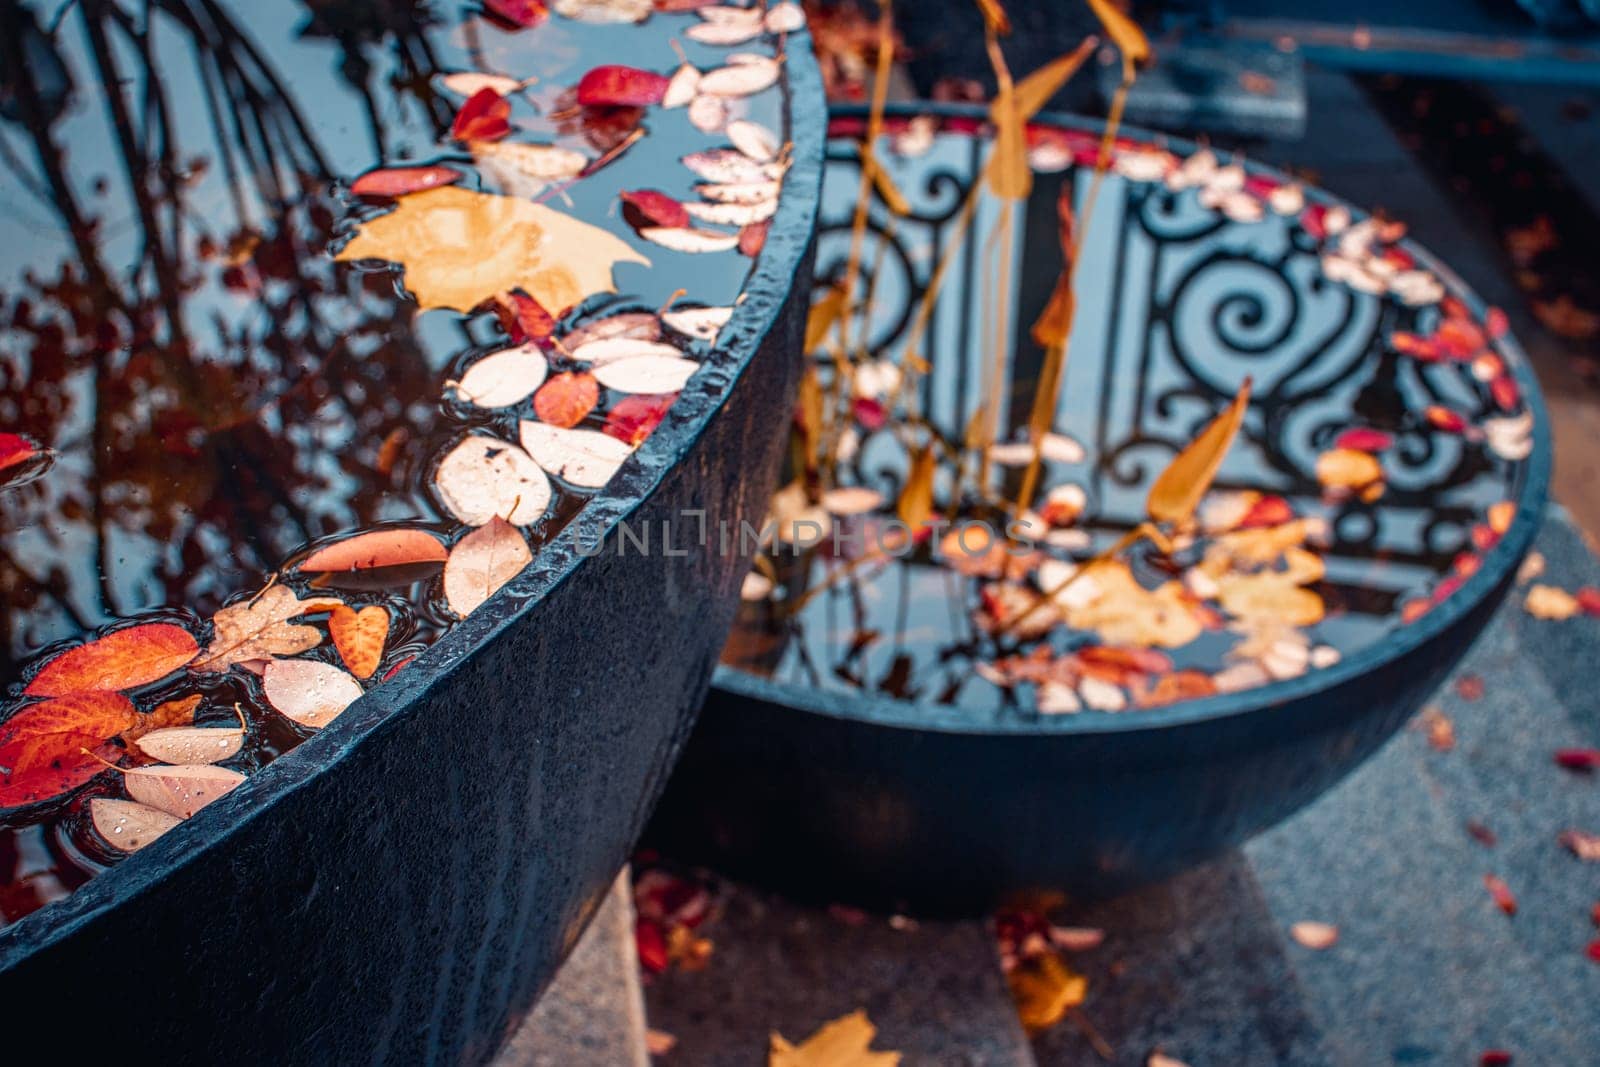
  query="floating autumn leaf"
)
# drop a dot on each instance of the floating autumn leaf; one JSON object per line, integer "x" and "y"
{"x": 785, "y": 18}
{"x": 524, "y": 169}
{"x": 519, "y": 13}
{"x": 259, "y": 629}
{"x": 753, "y": 238}
{"x": 482, "y": 562}
{"x": 179, "y": 712}
{"x": 503, "y": 378}
{"x": 844, "y": 1042}
{"x": 310, "y": 692}
{"x": 483, "y": 478}
{"x": 605, "y": 10}
{"x": 637, "y": 325}
{"x": 1550, "y": 602}
{"x": 1315, "y": 935}
{"x": 523, "y": 317}
{"x": 566, "y": 398}
{"x": 825, "y": 313}
{"x": 1500, "y": 893}
{"x": 634, "y": 418}
{"x": 465, "y": 83}
{"x": 485, "y": 116}
{"x": 690, "y": 239}
{"x": 752, "y": 192}
{"x": 180, "y": 790}
{"x": 614, "y": 85}
{"x": 702, "y": 323}
{"x": 399, "y": 181}
{"x": 1177, "y": 491}
{"x": 647, "y": 374}
{"x": 682, "y": 86}
{"x": 729, "y": 166}
{"x": 719, "y": 30}
{"x": 708, "y": 114}
{"x": 460, "y": 248}
{"x": 586, "y": 458}
{"x": 754, "y": 140}
{"x": 732, "y": 214}
{"x": 397, "y": 546}
{"x": 359, "y": 637}
{"x": 41, "y": 747}
{"x": 851, "y": 500}
{"x": 122, "y": 659}
{"x": 656, "y": 208}
{"x": 1045, "y": 989}
{"x": 741, "y": 79}
{"x": 1109, "y": 600}
{"x": 193, "y": 745}
{"x": 127, "y": 825}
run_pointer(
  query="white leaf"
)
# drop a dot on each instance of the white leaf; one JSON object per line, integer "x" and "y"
{"x": 604, "y": 10}
{"x": 182, "y": 790}
{"x": 471, "y": 82}
{"x": 484, "y": 477}
{"x": 310, "y": 692}
{"x": 482, "y": 562}
{"x": 647, "y": 374}
{"x": 701, "y": 323}
{"x": 682, "y": 86}
{"x": 640, "y": 324}
{"x": 732, "y": 214}
{"x": 708, "y": 114}
{"x": 526, "y": 170}
{"x": 191, "y": 744}
{"x": 756, "y": 586}
{"x": 758, "y": 192}
{"x": 127, "y": 825}
{"x": 685, "y": 239}
{"x": 754, "y": 140}
{"x": 729, "y": 15}
{"x": 785, "y": 18}
{"x": 725, "y": 165}
{"x": 587, "y": 458}
{"x": 722, "y": 33}
{"x": 851, "y": 500}
{"x": 741, "y": 79}
{"x": 610, "y": 349}
{"x": 503, "y": 378}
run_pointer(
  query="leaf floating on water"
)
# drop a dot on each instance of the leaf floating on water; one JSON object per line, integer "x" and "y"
{"x": 757, "y": 192}
{"x": 729, "y": 166}
{"x": 844, "y": 1042}
{"x": 359, "y": 637}
{"x": 640, "y": 325}
{"x": 786, "y": 17}
{"x": 178, "y": 712}
{"x": 732, "y": 214}
{"x": 310, "y": 692}
{"x": 567, "y": 398}
{"x": 605, "y": 10}
{"x": 1315, "y": 935}
{"x": 681, "y": 87}
{"x": 708, "y": 114}
{"x": 700, "y": 323}
{"x": 753, "y": 238}
{"x": 851, "y": 500}
{"x": 192, "y": 744}
{"x": 634, "y": 418}
{"x": 1178, "y": 489}
{"x": 754, "y": 140}
{"x": 586, "y": 458}
{"x": 397, "y": 546}
{"x": 484, "y": 478}
{"x": 741, "y": 79}
{"x": 657, "y": 207}
{"x": 398, "y": 181}
{"x": 605, "y": 350}
{"x": 181, "y": 790}
{"x": 482, "y": 562}
{"x": 526, "y": 170}
{"x": 122, "y": 659}
{"x": 460, "y": 248}
{"x": 466, "y": 83}
{"x": 485, "y": 116}
{"x": 127, "y": 825}
{"x": 681, "y": 239}
{"x": 647, "y": 374}
{"x": 503, "y": 378}
{"x": 41, "y": 747}
{"x": 520, "y": 13}
{"x": 259, "y": 629}
{"x": 721, "y": 34}
{"x": 618, "y": 86}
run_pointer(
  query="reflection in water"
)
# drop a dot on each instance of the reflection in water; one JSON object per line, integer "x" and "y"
{"x": 1177, "y": 305}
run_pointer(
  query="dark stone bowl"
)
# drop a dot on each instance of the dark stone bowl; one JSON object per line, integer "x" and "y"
{"x": 893, "y": 805}
{"x": 402, "y": 886}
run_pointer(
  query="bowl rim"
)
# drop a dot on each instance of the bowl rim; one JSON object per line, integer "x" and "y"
{"x": 765, "y": 292}
{"x": 1499, "y": 563}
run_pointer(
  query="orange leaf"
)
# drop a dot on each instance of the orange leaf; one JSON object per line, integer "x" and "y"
{"x": 398, "y": 181}
{"x": 41, "y": 747}
{"x": 172, "y": 713}
{"x": 566, "y": 398}
{"x": 1178, "y": 489}
{"x": 394, "y": 547}
{"x": 634, "y": 418}
{"x": 1008, "y": 173}
{"x": 916, "y": 499}
{"x": 122, "y": 659}
{"x": 359, "y": 637}
{"x": 1124, "y": 33}
{"x": 1034, "y": 92}
{"x": 844, "y": 1042}
{"x": 994, "y": 16}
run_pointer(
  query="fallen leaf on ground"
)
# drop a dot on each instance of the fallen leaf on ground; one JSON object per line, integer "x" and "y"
{"x": 844, "y": 1042}
{"x": 259, "y": 629}
{"x": 1501, "y": 893}
{"x": 122, "y": 659}
{"x": 1045, "y": 989}
{"x": 482, "y": 562}
{"x": 310, "y": 692}
{"x": 359, "y": 637}
{"x": 1585, "y": 846}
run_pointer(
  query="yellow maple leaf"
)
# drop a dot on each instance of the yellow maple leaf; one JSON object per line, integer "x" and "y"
{"x": 844, "y": 1042}
{"x": 460, "y": 248}
{"x": 1045, "y": 989}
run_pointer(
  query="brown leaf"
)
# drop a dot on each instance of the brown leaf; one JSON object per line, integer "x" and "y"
{"x": 359, "y": 637}
{"x": 180, "y": 791}
{"x": 122, "y": 659}
{"x": 259, "y": 629}
{"x": 392, "y": 547}
{"x": 844, "y": 1042}
{"x": 1045, "y": 989}
{"x": 310, "y": 692}
{"x": 482, "y": 562}
{"x": 178, "y": 712}
{"x": 825, "y": 313}
{"x": 915, "y": 505}
{"x": 1178, "y": 489}
{"x": 126, "y": 825}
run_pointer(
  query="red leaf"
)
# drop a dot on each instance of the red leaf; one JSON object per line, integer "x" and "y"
{"x": 1314, "y": 221}
{"x": 1582, "y": 760}
{"x": 41, "y": 747}
{"x": 1589, "y": 600}
{"x": 1495, "y": 1057}
{"x": 1267, "y": 511}
{"x": 634, "y": 418}
{"x": 1505, "y": 392}
{"x": 14, "y": 449}
{"x": 1442, "y": 418}
{"x": 1503, "y": 897}
{"x": 397, "y": 668}
{"x": 657, "y": 208}
{"x": 753, "y": 238}
{"x": 870, "y": 413}
{"x": 524, "y": 318}
{"x": 1593, "y": 951}
{"x": 566, "y": 398}
{"x": 395, "y": 547}
{"x": 618, "y": 86}
{"x": 398, "y": 181}
{"x": 122, "y": 659}
{"x": 484, "y": 117}
{"x": 1495, "y": 323}
{"x": 652, "y": 946}
{"x": 1363, "y": 439}
{"x": 519, "y": 13}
